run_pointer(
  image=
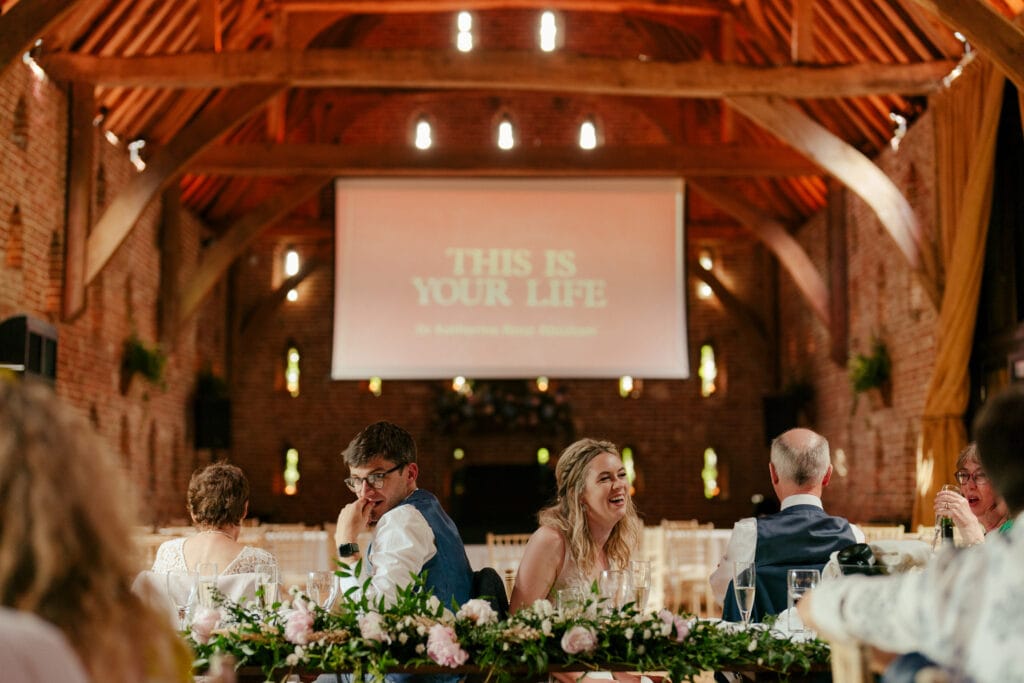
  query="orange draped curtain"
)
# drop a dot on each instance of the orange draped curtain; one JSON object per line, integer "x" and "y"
{"x": 966, "y": 124}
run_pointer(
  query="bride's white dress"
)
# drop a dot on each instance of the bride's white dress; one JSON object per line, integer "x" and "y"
{"x": 170, "y": 557}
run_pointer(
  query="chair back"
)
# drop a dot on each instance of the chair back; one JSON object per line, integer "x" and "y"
{"x": 880, "y": 532}
{"x": 488, "y": 585}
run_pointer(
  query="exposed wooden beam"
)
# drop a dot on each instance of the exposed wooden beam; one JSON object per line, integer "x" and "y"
{"x": 81, "y": 159}
{"x": 731, "y": 302}
{"x": 696, "y": 160}
{"x": 224, "y": 251}
{"x": 776, "y": 237}
{"x": 1000, "y": 39}
{"x": 28, "y": 20}
{"x": 210, "y": 26}
{"x": 801, "y": 41}
{"x": 432, "y": 69}
{"x": 687, "y": 7}
{"x": 169, "y": 162}
{"x": 854, "y": 170}
{"x": 838, "y": 285}
{"x": 261, "y": 310}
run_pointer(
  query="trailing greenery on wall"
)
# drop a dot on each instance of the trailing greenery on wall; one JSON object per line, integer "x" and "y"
{"x": 139, "y": 358}
{"x": 502, "y": 405}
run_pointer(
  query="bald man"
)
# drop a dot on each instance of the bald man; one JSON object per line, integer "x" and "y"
{"x": 800, "y": 536}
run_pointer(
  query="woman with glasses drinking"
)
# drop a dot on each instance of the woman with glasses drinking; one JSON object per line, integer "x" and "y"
{"x": 977, "y": 509}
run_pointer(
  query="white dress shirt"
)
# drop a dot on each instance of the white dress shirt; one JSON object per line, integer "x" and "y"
{"x": 963, "y": 610}
{"x": 742, "y": 545}
{"x": 402, "y": 545}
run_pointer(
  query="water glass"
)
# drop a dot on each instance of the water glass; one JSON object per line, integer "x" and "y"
{"x": 206, "y": 577}
{"x": 320, "y": 587}
{"x": 181, "y": 590}
{"x": 616, "y": 587}
{"x": 266, "y": 579}
{"x": 571, "y": 602}
{"x": 744, "y": 584}
{"x": 799, "y": 582}
{"x": 641, "y": 570}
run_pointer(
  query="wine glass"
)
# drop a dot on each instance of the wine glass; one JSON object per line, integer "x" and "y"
{"x": 181, "y": 590}
{"x": 206, "y": 573}
{"x": 266, "y": 579}
{"x": 641, "y": 570}
{"x": 799, "y": 582}
{"x": 744, "y": 584}
{"x": 320, "y": 587}
{"x": 616, "y": 587}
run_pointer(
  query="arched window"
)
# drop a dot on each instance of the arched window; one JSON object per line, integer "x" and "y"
{"x": 708, "y": 370}
{"x": 292, "y": 369}
{"x": 291, "y": 471}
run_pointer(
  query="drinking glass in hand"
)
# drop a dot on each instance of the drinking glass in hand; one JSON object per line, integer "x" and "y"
{"x": 641, "y": 570}
{"x": 206, "y": 573}
{"x": 744, "y": 584}
{"x": 266, "y": 579}
{"x": 320, "y": 588}
{"x": 616, "y": 587}
{"x": 799, "y": 582}
{"x": 944, "y": 523}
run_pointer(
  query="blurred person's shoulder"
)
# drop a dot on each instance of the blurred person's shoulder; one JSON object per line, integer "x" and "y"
{"x": 32, "y": 650}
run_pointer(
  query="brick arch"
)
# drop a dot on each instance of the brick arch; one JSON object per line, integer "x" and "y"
{"x": 14, "y": 248}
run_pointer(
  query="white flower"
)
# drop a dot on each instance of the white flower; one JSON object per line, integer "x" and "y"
{"x": 421, "y": 630}
{"x": 542, "y": 608}
{"x": 479, "y": 612}
{"x": 545, "y": 627}
{"x": 432, "y": 604}
{"x": 420, "y": 648}
{"x": 629, "y": 633}
{"x": 640, "y": 649}
{"x": 403, "y": 638}
{"x": 752, "y": 646}
{"x": 579, "y": 639}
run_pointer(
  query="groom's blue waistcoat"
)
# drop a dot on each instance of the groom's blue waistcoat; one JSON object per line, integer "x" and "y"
{"x": 799, "y": 537}
{"x": 448, "y": 571}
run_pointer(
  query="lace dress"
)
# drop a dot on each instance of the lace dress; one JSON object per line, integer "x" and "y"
{"x": 170, "y": 557}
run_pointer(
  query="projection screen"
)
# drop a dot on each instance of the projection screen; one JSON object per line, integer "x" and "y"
{"x": 509, "y": 278}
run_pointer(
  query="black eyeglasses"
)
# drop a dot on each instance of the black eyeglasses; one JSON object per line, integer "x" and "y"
{"x": 963, "y": 476}
{"x": 375, "y": 480}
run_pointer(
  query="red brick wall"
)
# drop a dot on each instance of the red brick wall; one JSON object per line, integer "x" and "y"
{"x": 880, "y": 442}
{"x": 148, "y": 425}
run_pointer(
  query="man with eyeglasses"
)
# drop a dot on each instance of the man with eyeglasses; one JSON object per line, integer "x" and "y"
{"x": 977, "y": 509}
{"x": 411, "y": 532}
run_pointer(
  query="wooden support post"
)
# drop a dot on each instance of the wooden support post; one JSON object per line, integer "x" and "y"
{"x": 170, "y": 263}
{"x": 81, "y": 159}
{"x": 838, "y": 301}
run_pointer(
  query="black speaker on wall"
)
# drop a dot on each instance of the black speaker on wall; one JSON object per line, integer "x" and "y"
{"x": 780, "y": 415}
{"x": 29, "y": 346}
{"x": 212, "y": 422}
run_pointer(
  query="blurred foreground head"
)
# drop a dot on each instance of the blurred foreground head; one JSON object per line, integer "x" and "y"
{"x": 999, "y": 433}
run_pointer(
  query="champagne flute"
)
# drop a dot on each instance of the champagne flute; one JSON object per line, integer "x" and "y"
{"x": 206, "y": 573}
{"x": 744, "y": 584}
{"x": 181, "y": 589}
{"x": 266, "y": 579}
{"x": 641, "y": 570}
{"x": 320, "y": 587}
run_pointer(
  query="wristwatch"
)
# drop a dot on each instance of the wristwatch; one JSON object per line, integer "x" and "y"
{"x": 348, "y": 549}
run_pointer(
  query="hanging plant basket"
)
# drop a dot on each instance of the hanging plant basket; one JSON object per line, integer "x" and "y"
{"x": 872, "y": 374}
{"x": 147, "y": 361}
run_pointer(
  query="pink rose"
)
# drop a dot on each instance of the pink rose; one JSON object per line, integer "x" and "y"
{"x": 479, "y": 612}
{"x": 298, "y": 627}
{"x": 682, "y": 627}
{"x": 579, "y": 639}
{"x": 443, "y": 648}
{"x": 205, "y": 621}
{"x": 371, "y": 627}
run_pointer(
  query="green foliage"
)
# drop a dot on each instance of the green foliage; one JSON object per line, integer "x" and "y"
{"x": 148, "y": 361}
{"x": 869, "y": 372}
{"x": 524, "y": 646}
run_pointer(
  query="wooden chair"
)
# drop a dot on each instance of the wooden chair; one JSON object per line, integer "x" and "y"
{"x": 688, "y": 564}
{"x": 504, "y": 552}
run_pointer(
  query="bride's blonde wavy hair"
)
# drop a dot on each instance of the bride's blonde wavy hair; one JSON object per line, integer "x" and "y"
{"x": 66, "y": 549}
{"x": 568, "y": 517}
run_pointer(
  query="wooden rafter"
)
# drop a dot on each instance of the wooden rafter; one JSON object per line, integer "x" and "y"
{"x": 695, "y": 160}
{"x": 81, "y": 159}
{"x": 802, "y": 37}
{"x": 27, "y": 21}
{"x": 125, "y": 209}
{"x": 731, "y": 302}
{"x": 429, "y": 69}
{"x": 855, "y": 171}
{"x": 688, "y": 7}
{"x": 997, "y": 37}
{"x": 262, "y": 309}
{"x": 223, "y": 252}
{"x": 776, "y": 237}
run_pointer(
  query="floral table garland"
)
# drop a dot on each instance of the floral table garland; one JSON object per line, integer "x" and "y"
{"x": 416, "y": 630}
